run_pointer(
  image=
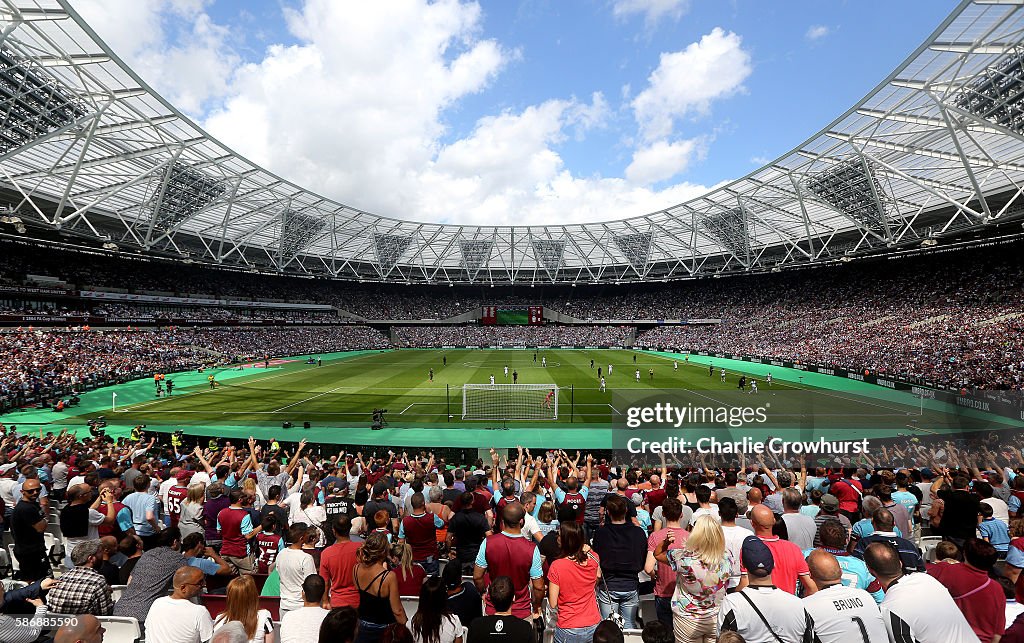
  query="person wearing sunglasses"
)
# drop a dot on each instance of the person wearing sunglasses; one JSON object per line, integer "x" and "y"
{"x": 28, "y": 523}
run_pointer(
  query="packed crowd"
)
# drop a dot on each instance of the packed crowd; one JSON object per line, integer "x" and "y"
{"x": 219, "y": 543}
{"x": 42, "y": 364}
{"x": 437, "y": 336}
{"x": 169, "y": 313}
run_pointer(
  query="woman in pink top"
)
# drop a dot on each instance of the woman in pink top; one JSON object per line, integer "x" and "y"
{"x": 572, "y": 587}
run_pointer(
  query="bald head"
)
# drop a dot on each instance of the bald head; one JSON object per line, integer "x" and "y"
{"x": 754, "y": 496}
{"x": 824, "y": 568}
{"x": 85, "y": 628}
{"x": 187, "y": 576}
{"x": 762, "y": 518}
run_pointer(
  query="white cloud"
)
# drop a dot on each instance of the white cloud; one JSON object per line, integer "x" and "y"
{"x": 663, "y": 160}
{"x": 759, "y": 160}
{"x": 817, "y": 32}
{"x": 188, "y": 75}
{"x": 356, "y": 110}
{"x": 687, "y": 81}
{"x": 652, "y": 10}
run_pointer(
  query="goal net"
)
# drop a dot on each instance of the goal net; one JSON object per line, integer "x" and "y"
{"x": 509, "y": 402}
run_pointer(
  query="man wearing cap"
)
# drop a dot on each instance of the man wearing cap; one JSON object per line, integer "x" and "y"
{"x": 788, "y": 560}
{"x": 176, "y": 495}
{"x": 761, "y": 611}
{"x": 829, "y": 509}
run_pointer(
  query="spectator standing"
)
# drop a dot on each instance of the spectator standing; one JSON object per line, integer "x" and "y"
{"x": 960, "y": 513}
{"x": 145, "y": 511}
{"x": 510, "y": 553}
{"x": 882, "y": 521}
{"x": 789, "y": 565}
{"x": 463, "y": 599}
{"x": 702, "y": 567}
{"x": 433, "y": 621}
{"x": 501, "y": 626}
{"x": 293, "y": 566}
{"x": 761, "y": 611}
{"x": 419, "y": 530}
{"x": 980, "y": 598}
{"x": 829, "y": 508}
{"x": 734, "y": 537}
{"x": 191, "y": 519}
{"x": 801, "y": 528}
{"x": 379, "y": 602}
{"x": 664, "y": 577}
{"x": 303, "y": 625}
{"x": 621, "y": 547}
{"x": 236, "y": 530}
{"x": 28, "y": 522}
{"x": 838, "y": 613}
{"x": 854, "y": 572}
{"x": 916, "y": 607}
{"x": 337, "y": 563}
{"x": 571, "y": 587}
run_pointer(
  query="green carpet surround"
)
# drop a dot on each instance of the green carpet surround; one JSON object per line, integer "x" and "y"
{"x": 337, "y": 399}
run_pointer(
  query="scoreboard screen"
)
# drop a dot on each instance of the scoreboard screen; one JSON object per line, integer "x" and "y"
{"x": 512, "y": 315}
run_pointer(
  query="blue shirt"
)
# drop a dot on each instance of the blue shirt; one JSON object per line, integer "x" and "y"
{"x": 855, "y": 572}
{"x": 205, "y": 565}
{"x": 140, "y": 503}
{"x": 863, "y": 528}
{"x": 995, "y": 532}
{"x": 536, "y": 571}
{"x": 908, "y": 500}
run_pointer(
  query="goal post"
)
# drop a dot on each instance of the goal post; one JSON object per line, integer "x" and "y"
{"x": 509, "y": 402}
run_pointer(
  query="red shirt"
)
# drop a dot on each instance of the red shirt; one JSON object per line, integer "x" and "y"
{"x": 336, "y": 565}
{"x": 980, "y": 598}
{"x": 789, "y": 563}
{"x": 229, "y": 523}
{"x": 655, "y": 498}
{"x": 577, "y": 602}
{"x": 175, "y": 496}
{"x": 846, "y": 494}
{"x": 410, "y": 585}
{"x": 267, "y": 548}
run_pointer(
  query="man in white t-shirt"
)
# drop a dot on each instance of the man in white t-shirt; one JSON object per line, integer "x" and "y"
{"x": 838, "y": 613}
{"x": 734, "y": 537}
{"x": 293, "y": 567}
{"x": 303, "y": 625}
{"x": 916, "y": 608}
{"x": 175, "y": 618}
{"x": 761, "y": 611}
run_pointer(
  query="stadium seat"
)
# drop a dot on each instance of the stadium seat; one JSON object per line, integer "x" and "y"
{"x": 632, "y": 636}
{"x": 120, "y": 629}
{"x": 411, "y": 605}
{"x": 928, "y": 544}
{"x": 6, "y": 568}
{"x": 10, "y": 584}
{"x": 277, "y": 631}
{"x": 116, "y": 591}
{"x": 648, "y": 612}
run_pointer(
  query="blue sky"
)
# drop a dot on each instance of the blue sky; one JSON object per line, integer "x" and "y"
{"x": 513, "y": 112}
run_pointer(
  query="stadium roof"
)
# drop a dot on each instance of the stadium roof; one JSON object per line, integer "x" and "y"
{"x": 87, "y": 148}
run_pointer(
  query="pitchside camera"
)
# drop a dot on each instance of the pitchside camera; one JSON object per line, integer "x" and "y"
{"x": 286, "y": 425}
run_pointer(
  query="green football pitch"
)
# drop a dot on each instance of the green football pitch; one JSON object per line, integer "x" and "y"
{"x": 337, "y": 399}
